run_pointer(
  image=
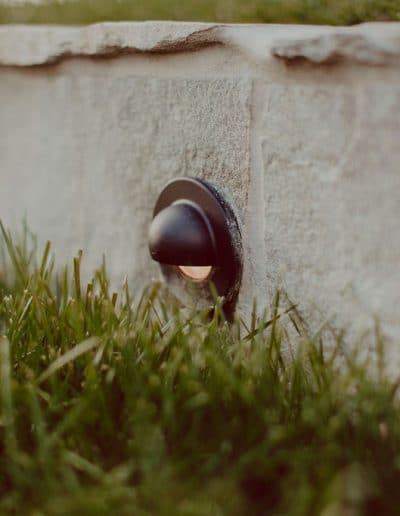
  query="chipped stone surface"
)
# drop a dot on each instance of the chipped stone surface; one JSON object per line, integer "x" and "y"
{"x": 36, "y": 45}
{"x": 309, "y": 154}
{"x": 370, "y": 43}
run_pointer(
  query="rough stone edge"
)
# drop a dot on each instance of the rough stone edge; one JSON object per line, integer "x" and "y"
{"x": 369, "y": 43}
{"x": 24, "y": 45}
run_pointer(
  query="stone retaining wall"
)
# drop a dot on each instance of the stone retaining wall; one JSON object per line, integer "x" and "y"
{"x": 299, "y": 125}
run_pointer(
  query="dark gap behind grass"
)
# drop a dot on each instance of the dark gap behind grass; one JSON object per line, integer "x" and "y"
{"x": 109, "y": 407}
{"x": 335, "y": 12}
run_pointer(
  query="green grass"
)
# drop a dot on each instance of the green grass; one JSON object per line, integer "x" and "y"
{"x": 335, "y": 12}
{"x": 115, "y": 407}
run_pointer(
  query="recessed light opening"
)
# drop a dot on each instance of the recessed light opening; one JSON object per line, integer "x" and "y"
{"x": 197, "y": 273}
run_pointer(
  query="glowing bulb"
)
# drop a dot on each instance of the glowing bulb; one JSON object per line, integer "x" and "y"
{"x": 196, "y": 273}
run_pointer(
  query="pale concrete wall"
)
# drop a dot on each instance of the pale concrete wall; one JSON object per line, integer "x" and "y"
{"x": 299, "y": 125}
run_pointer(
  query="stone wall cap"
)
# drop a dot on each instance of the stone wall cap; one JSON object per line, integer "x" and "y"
{"x": 368, "y": 43}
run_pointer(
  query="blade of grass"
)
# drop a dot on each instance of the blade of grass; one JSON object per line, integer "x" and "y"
{"x": 7, "y": 408}
{"x": 69, "y": 356}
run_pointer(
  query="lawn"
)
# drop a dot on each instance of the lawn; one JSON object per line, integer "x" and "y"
{"x": 336, "y": 12}
{"x": 110, "y": 406}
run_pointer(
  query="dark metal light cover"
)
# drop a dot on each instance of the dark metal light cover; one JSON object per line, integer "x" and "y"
{"x": 181, "y": 234}
{"x": 194, "y": 225}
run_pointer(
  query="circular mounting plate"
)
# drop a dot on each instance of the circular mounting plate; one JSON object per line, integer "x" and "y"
{"x": 227, "y": 274}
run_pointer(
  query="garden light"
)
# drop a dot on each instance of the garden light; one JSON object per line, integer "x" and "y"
{"x": 195, "y": 236}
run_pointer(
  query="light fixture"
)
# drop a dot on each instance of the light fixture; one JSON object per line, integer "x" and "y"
{"x": 196, "y": 272}
{"x": 195, "y": 237}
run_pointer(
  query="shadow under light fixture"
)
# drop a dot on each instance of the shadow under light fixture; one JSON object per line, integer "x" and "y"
{"x": 195, "y": 236}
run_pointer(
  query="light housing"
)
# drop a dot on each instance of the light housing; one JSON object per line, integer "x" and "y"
{"x": 195, "y": 237}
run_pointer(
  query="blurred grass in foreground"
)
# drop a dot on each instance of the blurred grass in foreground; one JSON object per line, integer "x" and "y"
{"x": 114, "y": 407}
{"x": 336, "y": 12}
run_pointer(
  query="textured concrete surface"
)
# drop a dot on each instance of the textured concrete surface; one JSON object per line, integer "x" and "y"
{"x": 299, "y": 125}
{"x": 94, "y": 153}
{"x": 332, "y": 200}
